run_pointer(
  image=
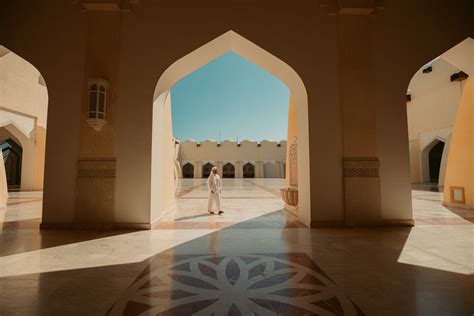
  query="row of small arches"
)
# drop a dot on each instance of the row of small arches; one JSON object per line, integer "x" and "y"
{"x": 228, "y": 170}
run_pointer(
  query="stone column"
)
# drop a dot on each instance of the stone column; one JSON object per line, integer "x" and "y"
{"x": 360, "y": 163}
{"x": 258, "y": 169}
{"x": 219, "y": 166}
{"x": 95, "y": 198}
{"x": 197, "y": 169}
{"x": 279, "y": 169}
{"x": 238, "y": 169}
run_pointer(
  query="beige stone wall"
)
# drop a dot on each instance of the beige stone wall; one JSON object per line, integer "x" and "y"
{"x": 460, "y": 169}
{"x": 266, "y": 155}
{"x": 22, "y": 88}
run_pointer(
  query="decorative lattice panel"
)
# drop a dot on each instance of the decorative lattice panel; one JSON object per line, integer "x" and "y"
{"x": 361, "y": 172}
{"x": 96, "y": 173}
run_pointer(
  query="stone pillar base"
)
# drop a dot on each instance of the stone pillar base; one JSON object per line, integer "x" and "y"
{"x": 95, "y": 199}
{"x": 362, "y": 196}
{"x": 292, "y": 209}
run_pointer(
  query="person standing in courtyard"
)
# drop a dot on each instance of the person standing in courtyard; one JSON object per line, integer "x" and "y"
{"x": 214, "y": 186}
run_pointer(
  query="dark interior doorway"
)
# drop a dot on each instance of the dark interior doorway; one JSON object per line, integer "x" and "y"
{"x": 12, "y": 157}
{"x": 434, "y": 156}
{"x": 228, "y": 171}
{"x": 249, "y": 170}
{"x": 188, "y": 171}
{"x": 206, "y": 170}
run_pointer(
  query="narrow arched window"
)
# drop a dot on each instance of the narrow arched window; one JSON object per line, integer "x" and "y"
{"x": 97, "y": 110}
{"x": 92, "y": 100}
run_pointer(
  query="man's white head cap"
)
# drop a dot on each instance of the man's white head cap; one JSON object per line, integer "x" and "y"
{"x": 214, "y": 169}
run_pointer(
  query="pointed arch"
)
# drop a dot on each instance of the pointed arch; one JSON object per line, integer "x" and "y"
{"x": 188, "y": 170}
{"x": 228, "y": 171}
{"x": 249, "y": 170}
{"x": 206, "y": 169}
{"x": 231, "y": 41}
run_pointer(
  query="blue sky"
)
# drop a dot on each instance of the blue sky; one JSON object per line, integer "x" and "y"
{"x": 231, "y": 94}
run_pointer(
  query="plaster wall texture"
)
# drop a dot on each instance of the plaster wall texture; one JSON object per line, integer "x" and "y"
{"x": 163, "y": 182}
{"x": 22, "y": 88}
{"x": 228, "y": 151}
{"x": 462, "y": 55}
{"x": 460, "y": 169}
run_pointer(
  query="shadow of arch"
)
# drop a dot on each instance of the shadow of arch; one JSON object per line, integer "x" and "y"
{"x": 231, "y": 41}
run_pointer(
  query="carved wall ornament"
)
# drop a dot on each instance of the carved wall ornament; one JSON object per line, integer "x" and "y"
{"x": 293, "y": 162}
{"x": 96, "y": 168}
{"x": 361, "y": 167}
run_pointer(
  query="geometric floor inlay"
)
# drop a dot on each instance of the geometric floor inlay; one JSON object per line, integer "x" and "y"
{"x": 276, "y": 284}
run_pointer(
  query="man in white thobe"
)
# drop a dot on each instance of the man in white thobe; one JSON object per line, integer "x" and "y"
{"x": 214, "y": 186}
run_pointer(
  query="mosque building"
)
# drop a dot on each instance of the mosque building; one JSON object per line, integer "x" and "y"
{"x": 366, "y": 207}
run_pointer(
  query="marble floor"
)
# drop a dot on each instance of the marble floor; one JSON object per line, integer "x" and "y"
{"x": 255, "y": 259}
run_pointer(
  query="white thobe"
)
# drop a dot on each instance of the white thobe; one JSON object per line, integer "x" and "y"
{"x": 214, "y": 185}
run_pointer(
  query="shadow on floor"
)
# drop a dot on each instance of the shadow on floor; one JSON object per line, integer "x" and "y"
{"x": 427, "y": 186}
{"x": 191, "y": 217}
{"x": 252, "y": 266}
{"x": 467, "y": 214}
{"x": 25, "y": 236}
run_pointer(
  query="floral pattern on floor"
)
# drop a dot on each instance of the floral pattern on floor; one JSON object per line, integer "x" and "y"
{"x": 280, "y": 284}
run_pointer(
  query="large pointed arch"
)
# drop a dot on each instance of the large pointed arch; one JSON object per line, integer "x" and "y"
{"x": 24, "y": 114}
{"x": 231, "y": 41}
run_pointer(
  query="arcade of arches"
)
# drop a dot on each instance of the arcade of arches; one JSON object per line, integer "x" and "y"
{"x": 367, "y": 207}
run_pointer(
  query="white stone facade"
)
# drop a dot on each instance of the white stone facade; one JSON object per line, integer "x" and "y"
{"x": 247, "y": 159}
